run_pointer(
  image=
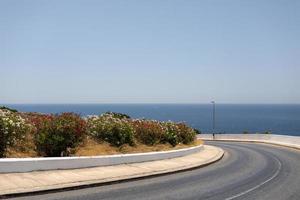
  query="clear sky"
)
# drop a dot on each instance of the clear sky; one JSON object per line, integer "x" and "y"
{"x": 149, "y": 51}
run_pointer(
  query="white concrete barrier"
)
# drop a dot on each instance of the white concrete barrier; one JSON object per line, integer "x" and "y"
{"x": 9, "y": 165}
{"x": 284, "y": 140}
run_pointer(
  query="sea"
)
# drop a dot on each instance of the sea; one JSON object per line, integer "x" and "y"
{"x": 281, "y": 119}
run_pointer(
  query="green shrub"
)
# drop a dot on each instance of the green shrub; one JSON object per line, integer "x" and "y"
{"x": 9, "y": 109}
{"x": 110, "y": 129}
{"x": 117, "y": 115}
{"x": 171, "y": 133}
{"x": 197, "y": 131}
{"x": 186, "y": 134}
{"x": 148, "y": 132}
{"x": 56, "y": 135}
{"x": 13, "y": 128}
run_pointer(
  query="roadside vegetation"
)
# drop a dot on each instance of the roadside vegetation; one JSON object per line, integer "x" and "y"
{"x": 264, "y": 132}
{"x": 68, "y": 134}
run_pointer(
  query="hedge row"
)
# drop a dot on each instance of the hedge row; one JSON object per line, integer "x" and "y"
{"x": 58, "y": 135}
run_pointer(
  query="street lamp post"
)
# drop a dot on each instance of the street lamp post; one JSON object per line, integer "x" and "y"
{"x": 214, "y": 117}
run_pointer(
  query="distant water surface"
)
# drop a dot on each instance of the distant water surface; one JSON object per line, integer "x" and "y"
{"x": 230, "y": 118}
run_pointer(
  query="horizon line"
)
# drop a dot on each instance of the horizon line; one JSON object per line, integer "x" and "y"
{"x": 167, "y": 103}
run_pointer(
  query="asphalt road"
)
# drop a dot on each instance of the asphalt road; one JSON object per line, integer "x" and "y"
{"x": 247, "y": 171}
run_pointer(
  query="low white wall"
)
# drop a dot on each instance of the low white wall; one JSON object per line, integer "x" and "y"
{"x": 285, "y": 140}
{"x": 8, "y": 165}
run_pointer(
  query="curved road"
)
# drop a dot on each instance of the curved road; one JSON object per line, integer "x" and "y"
{"x": 247, "y": 171}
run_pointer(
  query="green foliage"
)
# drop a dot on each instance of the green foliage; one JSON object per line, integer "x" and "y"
{"x": 107, "y": 128}
{"x": 178, "y": 133}
{"x": 267, "y": 132}
{"x": 171, "y": 134}
{"x": 148, "y": 132}
{"x": 121, "y": 130}
{"x": 9, "y": 109}
{"x": 56, "y": 135}
{"x": 13, "y": 128}
{"x": 197, "y": 131}
{"x": 117, "y": 115}
{"x": 154, "y": 132}
{"x": 245, "y": 132}
{"x": 186, "y": 134}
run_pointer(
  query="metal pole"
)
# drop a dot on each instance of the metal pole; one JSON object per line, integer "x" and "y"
{"x": 214, "y": 116}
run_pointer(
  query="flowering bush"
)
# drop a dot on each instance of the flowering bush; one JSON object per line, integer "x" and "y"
{"x": 154, "y": 132}
{"x": 186, "y": 134}
{"x": 56, "y": 135}
{"x": 171, "y": 133}
{"x": 108, "y": 128}
{"x": 148, "y": 132}
{"x": 178, "y": 133}
{"x": 12, "y": 129}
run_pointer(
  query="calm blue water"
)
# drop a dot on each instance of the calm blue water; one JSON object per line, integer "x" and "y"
{"x": 280, "y": 119}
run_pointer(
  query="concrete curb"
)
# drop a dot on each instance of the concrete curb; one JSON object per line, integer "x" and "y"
{"x": 208, "y": 156}
{"x": 258, "y": 141}
{"x": 12, "y": 165}
{"x": 279, "y": 140}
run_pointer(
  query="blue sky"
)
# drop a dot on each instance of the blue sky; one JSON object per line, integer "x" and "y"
{"x": 154, "y": 51}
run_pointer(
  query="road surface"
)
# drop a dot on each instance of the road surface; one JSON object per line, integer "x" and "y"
{"x": 247, "y": 171}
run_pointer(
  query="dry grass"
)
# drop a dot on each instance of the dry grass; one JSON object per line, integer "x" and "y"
{"x": 25, "y": 149}
{"x": 91, "y": 147}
